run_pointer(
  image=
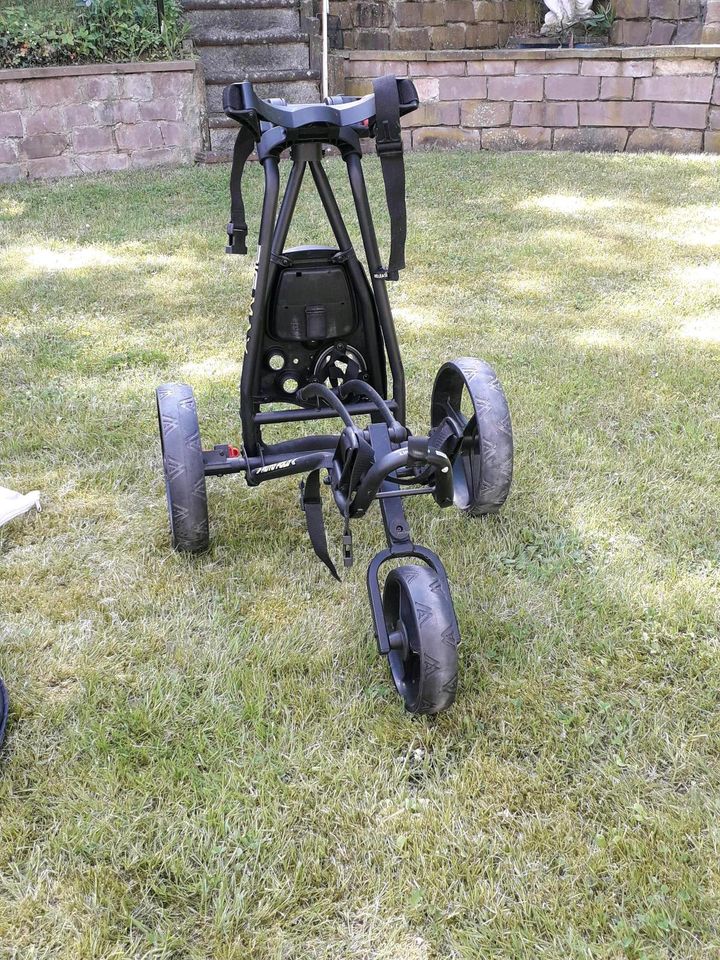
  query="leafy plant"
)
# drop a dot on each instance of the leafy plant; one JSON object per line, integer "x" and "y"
{"x": 601, "y": 21}
{"x": 99, "y": 31}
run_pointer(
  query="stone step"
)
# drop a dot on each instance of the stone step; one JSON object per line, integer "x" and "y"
{"x": 235, "y": 59}
{"x": 230, "y": 37}
{"x": 195, "y": 5}
{"x": 265, "y": 41}
{"x": 295, "y": 86}
{"x": 223, "y": 141}
{"x": 221, "y": 122}
{"x": 262, "y": 76}
{"x": 242, "y": 14}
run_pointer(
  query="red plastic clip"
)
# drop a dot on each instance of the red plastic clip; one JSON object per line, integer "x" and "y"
{"x": 233, "y": 451}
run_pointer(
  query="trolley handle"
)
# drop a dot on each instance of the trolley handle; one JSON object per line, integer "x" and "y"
{"x": 407, "y": 93}
{"x": 241, "y": 103}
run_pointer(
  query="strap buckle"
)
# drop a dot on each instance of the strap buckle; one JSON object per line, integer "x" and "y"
{"x": 390, "y": 143}
{"x": 236, "y": 236}
{"x": 385, "y": 273}
{"x": 347, "y": 541}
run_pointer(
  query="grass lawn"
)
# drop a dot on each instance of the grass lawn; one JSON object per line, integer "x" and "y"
{"x": 205, "y": 758}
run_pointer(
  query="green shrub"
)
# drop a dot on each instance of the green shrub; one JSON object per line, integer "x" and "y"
{"x": 101, "y": 31}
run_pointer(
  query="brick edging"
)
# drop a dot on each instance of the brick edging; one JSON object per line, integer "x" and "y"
{"x": 93, "y": 69}
{"x": 611, "y": 99}
{"x": 705, "y": 51}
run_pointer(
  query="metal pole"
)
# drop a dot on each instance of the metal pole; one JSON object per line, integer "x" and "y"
{"x": 372, "y": 255}
{"x": 161, "y": 14}
{"x": 251, "y": 367}
{"x": 325, "y": 7}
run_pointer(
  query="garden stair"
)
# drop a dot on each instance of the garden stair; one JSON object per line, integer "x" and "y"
{"x": 273, "y": 43}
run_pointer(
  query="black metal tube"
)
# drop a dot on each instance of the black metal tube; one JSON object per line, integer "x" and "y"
{"x": 372, "y": 255}
{"x": 326, "y": 441}
{"x": 251, "y": 364}
{"x": 231, "y": 465}
{"x": 410, "y": 492}
{"x": 376, "y": 358}
{"x": 284, "y": 218}
{"x": 330, "y": 205}
{"x": 318, "y": 391}
{"x": 287, "y": 207}
{"x": 262, "y": 468}
{"x": 370, "y": 393}
{"x": 314, "y": 413}
{"x": 289, "y": 466}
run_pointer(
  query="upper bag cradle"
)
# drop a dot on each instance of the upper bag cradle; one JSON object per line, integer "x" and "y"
{"x": 393, "y": 97}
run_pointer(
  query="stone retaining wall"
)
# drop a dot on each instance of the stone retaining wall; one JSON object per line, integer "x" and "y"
{"x": 431, "y": 24}
{"x": 63, "y": 121}
{"x": 658, "y": 22}
{"x": 612, "y": 99}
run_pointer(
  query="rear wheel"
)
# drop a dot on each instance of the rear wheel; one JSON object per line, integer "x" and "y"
{"x": 183, "y": 466}
{"x": 468, "y": 399}
{"x": 421, "y": 624}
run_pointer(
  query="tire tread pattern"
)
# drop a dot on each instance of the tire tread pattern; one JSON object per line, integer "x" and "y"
{"x": 183, "y": 467}
{"x": 494, "y": 427}
{"x": 437, "y": 632}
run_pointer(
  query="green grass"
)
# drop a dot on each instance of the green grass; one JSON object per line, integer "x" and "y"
{"x": 205, "y": 759}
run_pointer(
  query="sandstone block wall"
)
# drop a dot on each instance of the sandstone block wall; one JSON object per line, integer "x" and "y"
{"x": 431, "y": 24}
{"x": 711, "y": 27}
{"x": 613, "y": 100}
{"x": 478, "y": 24}
{"x": 657, "y": 22}
{"x": 64, "y": 121}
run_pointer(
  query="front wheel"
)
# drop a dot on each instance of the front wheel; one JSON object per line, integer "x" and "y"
{"x": 184, "y": 467}
{"x": 469, "y": 403}
{"x": 422, "y": 628}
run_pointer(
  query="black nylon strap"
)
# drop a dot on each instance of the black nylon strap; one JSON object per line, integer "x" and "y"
{"x": 388, "y": 141}
{"x": 364, "y": 459}
{"x": 312, "y": 505}
{"x": 237, "y": 228}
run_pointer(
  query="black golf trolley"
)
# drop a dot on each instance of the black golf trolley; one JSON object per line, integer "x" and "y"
{"x": 320, "y": 341}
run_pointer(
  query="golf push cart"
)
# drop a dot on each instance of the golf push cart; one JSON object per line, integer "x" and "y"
{"x": 319, "y": 344}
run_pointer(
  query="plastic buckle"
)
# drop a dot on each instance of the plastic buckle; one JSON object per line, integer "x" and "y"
{"x": 347, "y": 542}
{"x": 390, "y": 144}
{"x": 383, "y": 273}
{"x": 237, "y": 239}
{"x": 389, "y": 148}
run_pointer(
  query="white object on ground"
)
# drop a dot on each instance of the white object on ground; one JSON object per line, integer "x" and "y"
{"x": 15, "y": 504}
{"x": 564, "y": 13}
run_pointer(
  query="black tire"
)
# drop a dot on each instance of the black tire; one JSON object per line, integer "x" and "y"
{"x": 468, "y": 392}
{"x": 183, "y": 467}
{"x": 419, "y": 614}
